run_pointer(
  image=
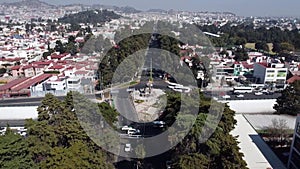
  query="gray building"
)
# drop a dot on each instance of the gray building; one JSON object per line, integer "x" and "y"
{"x": 294, "y": 159}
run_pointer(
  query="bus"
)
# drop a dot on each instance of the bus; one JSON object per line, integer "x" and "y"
{"x": 242, "y": 89}
{"x": 182, "y": 89}
{"x": 173, "y": 85}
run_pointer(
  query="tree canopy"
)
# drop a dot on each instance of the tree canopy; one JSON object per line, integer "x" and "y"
{"x": 289, "y": 101}
{"x": 219, "y": 151}
{"x": 55, "y": 140}
{"x": 90, "y": 16}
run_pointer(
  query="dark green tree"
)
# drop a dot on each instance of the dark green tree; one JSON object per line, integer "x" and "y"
{"x": 262, "y": 46}
{"x": 289, "y": 101}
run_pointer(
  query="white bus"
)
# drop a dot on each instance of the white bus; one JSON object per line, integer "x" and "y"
{"x": 242, "y": 89}
{"x": 173, "y": 85}
{"x": 182, "y": 89}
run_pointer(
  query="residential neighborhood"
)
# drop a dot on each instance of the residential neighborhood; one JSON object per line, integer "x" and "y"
{"x": 97, "y": 85}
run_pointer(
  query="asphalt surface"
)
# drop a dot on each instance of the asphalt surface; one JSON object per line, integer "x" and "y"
{"x": 123, "y": 103}
{"x": 27, "y": 101}
{"x": 247, "y": 96}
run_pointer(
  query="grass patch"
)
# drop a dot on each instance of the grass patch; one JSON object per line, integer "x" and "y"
{"x": 252, "y": 46}
{"x": 133, "y": 83}
{"x": 139, "y": 101}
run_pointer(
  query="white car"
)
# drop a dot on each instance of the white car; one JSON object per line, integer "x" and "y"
{"x": 127, "y": 148}
{"x": 258, "y": 93}
{"x": 158, "y": 123}
{"x": 126, "y": 128}
{"x": 226, "y": 97}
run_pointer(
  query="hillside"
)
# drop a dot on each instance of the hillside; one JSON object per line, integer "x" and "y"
{"x": 92, "y": 16}
{"x": 30, "y": 4}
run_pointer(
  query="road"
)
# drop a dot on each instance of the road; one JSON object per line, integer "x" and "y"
{"x": 125, "y": 106}
{"x": 247, "y": 96}
{"x": 28, "y": 101}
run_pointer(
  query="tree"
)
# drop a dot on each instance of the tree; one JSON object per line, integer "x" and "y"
{"x": 59, "y": 47}
{"x": 141, "y": 153}
{"x": 262, "y": 46}
{"x": 240, "y": 41}
{"x": 55, "y": 140}
{"x": 14, "y": 152}
{"x": 2, "y": 70}
{"x": 219, "y": 151}
{"x": 278, "y": 131}
{"x": 276, "y": 48}
{"x": 241, "y": 54}
{"x": 289, "y": 101}
{"x": 287, "y": 47}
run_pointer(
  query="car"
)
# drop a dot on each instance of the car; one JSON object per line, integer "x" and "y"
{"x": 127, "y": 148}
{"x": 258, "y": 93}
{"x": 168, "y": 164}
{"x": 158, "y": 123}
{"x": 126, "y": 128}
{"x": 226, "y": 97}
{"x": 240, "y": 95}
{"x": 133, "y": 131}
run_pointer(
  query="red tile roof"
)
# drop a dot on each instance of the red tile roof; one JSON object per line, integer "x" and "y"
{"x": 12, "y": 84}
{"x": 56, "y": 67}
{"x": 247, "y": 66}
{"x": 81, "y": 72}
{"x": 293, "y": 79}
{"x": 27, "y": 67}
{"x": 16, "y": 67}
{"x": 42, "y": 62}
{"x": 31, "y": 81}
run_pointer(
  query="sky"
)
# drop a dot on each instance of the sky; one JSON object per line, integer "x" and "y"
{"x": 239, "y": 7}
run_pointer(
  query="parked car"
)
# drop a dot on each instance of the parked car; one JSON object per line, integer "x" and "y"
{"x": 226, "y": 97}
{"x": 168, "y": 164}
{"x": 239, "y": 96}
{"x": 127, "y": 148}
{"x": 126, "y": 128}
{"x": 158, "y": 123}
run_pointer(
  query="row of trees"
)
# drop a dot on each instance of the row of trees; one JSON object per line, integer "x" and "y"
{"x": 246, "y": 33}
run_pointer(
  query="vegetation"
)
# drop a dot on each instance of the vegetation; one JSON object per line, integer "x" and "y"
{"x": 278, "y": 133}
{"x": 55, "y": 140}
{"x": 219, "y": 151}
{"x": 246, "y": 33}
{"x": 288, "y": 102}
{"x": 92, "y": 17}
{"x": 262, "y": 46}
{"x": 116, "y": 55}
{"x": 2, "y": 70}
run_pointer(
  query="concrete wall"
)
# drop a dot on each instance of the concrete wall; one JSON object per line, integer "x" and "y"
{"x": 252, "y": 106}
{"x": 18, "y": 113}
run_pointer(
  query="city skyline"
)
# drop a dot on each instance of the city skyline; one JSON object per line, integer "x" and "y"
{"x": 241, "y": 7}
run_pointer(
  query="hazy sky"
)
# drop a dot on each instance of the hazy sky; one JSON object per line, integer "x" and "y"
{"x": 239, "y": 7}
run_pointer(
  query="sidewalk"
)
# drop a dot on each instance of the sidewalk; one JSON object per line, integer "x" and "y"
{"x": 257, "y": 154}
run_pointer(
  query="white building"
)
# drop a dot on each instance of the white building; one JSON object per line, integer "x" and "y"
{"x": 56, "y": 83}
{"x": 74, "y": 84}
{"x": 270, "y": 73}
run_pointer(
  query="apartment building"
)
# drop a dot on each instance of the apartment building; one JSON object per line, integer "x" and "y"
{"x": 270, "y": 73}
